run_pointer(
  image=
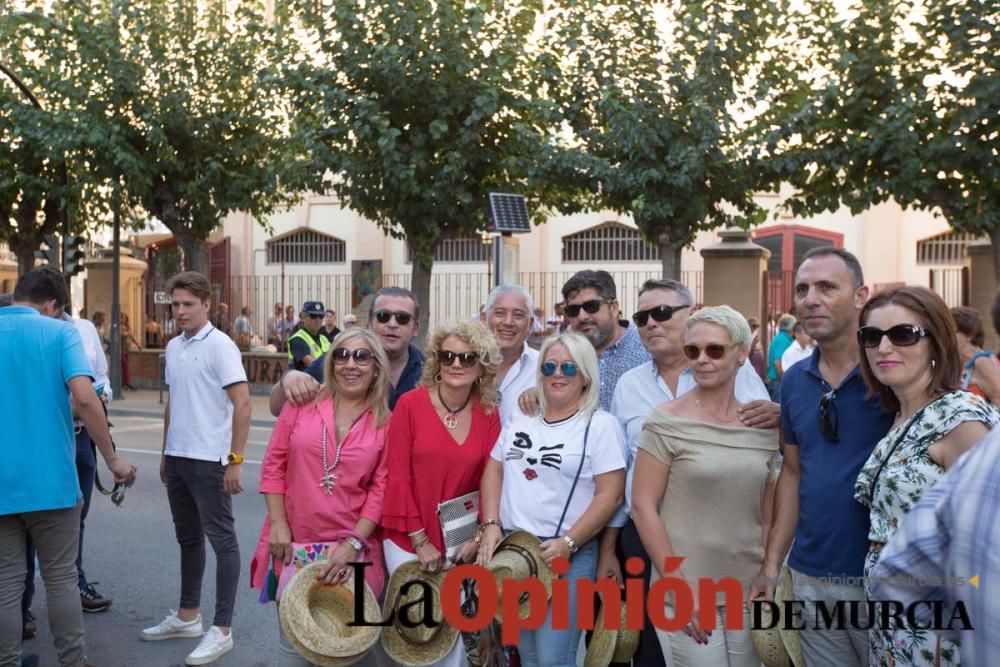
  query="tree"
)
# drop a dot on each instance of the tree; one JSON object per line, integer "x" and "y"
{"x": 415, "y": 111}
{"x": 172, "y": 103}
{"x": 908, "y": 107}
{"x": 656, "y": 105}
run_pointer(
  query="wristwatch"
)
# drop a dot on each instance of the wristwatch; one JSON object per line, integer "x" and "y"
{"x": 355, "y": 543}
{"x": 571, "y": 543}
{"x": 235, "y": 458}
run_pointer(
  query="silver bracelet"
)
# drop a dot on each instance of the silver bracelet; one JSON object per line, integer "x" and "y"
{"x": 571, "y": 543}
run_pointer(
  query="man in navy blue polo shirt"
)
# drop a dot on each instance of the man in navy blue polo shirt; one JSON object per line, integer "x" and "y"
{"x": 829, "y": 428}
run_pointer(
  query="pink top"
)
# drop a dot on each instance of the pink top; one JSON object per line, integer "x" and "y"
{"x": 427, "y": 466}
{"x": 293, "y": 467}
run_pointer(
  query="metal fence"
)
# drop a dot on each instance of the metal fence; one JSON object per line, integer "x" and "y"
{"x": 779, "y": 291}
{"x": 452, "y": 295}
{"x": 952, "y": 285}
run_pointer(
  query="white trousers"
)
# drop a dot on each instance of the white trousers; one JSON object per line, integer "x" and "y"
{"x": 725, "y": 648}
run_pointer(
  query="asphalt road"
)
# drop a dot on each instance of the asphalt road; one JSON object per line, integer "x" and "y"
{"x": 131, "y": 551}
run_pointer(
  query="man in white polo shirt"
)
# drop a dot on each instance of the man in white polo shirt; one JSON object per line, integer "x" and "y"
{"x": 205, "y": 427}
{"x": 508, "y": 315}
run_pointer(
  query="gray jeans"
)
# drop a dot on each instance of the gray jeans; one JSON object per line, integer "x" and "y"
{"x": 201, "y": 507}
{"x": 55, "y": 534}
{"x": 834, "y": 647}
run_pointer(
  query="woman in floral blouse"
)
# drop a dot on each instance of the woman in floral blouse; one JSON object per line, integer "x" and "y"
{"x": 911, "y": 361}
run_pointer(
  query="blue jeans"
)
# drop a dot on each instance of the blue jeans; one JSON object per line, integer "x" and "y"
{"x": 546, "y": 647}
{"x": 86, "y": 465}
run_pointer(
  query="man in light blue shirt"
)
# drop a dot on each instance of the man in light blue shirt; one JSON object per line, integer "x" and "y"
{"x": 43, "y": 364}
{"x": 660, "y": 318}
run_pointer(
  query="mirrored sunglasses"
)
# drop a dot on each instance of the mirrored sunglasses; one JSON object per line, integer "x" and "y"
{"x": 568, "y": 368}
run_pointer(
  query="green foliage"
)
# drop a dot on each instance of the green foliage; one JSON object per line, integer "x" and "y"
{"x": 907, "y": 107}
{"x": 171, "y": 100}
{"x": 656, "y": 107}
{"x": 413, "y": 111}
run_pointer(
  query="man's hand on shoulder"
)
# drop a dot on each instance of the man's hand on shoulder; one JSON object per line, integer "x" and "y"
{"x": 760, "y": 414}
{"x": 300, "y": 388}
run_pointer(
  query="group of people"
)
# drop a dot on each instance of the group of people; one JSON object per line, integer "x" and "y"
{"x": 648, "y": 438}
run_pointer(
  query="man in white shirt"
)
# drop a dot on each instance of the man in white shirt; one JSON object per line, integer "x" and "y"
{"x": 801, "y": 348}
{"x": 508, "y": 315}
{"x": 205, "y": 427}
{"x": 661, "y": 317}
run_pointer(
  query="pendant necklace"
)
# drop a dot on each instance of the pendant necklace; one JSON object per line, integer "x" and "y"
{"x": 451, "y": 416}
{"x": 329, "y": 478}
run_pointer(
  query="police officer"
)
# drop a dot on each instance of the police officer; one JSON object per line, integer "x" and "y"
{"x": 307, "y": 344}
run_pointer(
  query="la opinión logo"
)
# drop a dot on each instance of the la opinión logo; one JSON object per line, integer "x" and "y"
{"x": 508, "y": 598}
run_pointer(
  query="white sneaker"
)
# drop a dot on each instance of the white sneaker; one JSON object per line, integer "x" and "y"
{"x": 213, "y": 646}
{"x": 173, "y": 628}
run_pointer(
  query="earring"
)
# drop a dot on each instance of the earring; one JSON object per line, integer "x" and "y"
{"x": 933, "y": 363}
{"x": 437, "y": 379}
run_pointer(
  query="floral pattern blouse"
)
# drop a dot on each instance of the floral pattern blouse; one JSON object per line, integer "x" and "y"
{"x": 910, "y": 470}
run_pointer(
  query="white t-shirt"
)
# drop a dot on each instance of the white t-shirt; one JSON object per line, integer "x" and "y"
{"x": 94, "y": 350}
{"x": 794, "y": 354}
{"x": 198, "y": 371}
{"x": 540, "y": 462}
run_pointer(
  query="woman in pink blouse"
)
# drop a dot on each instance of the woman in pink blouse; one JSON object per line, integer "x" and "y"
{"x": 324, "y": 476}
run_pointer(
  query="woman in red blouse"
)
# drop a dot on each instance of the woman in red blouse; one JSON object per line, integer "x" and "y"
{"x": 440, "y": 438}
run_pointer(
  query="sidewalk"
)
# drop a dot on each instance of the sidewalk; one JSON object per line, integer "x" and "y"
{"x": 146, "y": 403}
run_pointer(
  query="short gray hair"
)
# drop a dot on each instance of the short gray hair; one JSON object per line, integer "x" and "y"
{"x": 679, "y": 288}
{"x": 726, "y": 317}
{"x": 786, "y": 322}
{"x": 585, "y": 358}
{"x": 517, "y": 290}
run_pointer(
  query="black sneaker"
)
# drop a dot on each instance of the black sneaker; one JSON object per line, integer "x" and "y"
{"x": 92, "y": 601}
{"x": 29, "y": 660}
{"x": 30, "y": 628}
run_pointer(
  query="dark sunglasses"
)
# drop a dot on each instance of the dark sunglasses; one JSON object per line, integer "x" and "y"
{"x": 402, "y": 318}
{"x": 465, "y": 359}
{"x": 362, "y": 357}
{"x": 902, "y": 335}
{"x": 829, "y": 425}
{"x": 713, "y": 350}
{"x": 660, "y": 314}
{"x": 568, "y": 368}
{"x": 591, "y": 307}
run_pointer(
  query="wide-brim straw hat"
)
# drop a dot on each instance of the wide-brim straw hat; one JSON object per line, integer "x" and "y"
{"x": 778, "y": 647}
{"x": 607, "y": 646}
{"x": 315, "y": 617}
{"x": 420, "y": 645}
{"x": 519, "y": 556}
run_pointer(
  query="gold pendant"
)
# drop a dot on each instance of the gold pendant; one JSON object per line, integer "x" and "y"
{"x": 451, "y": 421}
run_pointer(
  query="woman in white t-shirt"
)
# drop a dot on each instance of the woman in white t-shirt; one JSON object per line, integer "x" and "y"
{"x": 559, "y": 475}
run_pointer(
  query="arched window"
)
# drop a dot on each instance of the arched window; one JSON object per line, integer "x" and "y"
{"x": 608, "y": 242}
{"x": 947, "y": 248}
{"x": 306, "y": 246}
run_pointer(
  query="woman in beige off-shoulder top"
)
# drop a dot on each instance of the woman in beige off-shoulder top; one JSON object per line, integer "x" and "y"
{"x": 703, "y": 488}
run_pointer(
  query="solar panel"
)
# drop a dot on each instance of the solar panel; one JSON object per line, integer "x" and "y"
{"x": 508, "y": 213}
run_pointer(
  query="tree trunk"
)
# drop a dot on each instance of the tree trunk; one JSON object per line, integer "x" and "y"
{"x": 25, "y": 258}
{"x": 195, "y": 258}
{"x": 671, "y": 259}
{"x": 420, "y": 285}
{"x": 994, "y": 233}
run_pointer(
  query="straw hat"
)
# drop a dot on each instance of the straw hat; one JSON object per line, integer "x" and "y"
{"x": 519, "y": 556}
{"x": 607, "y": 646}
{"x": 778, "y": 647}
{"x": 315, "y": 616}
{"x": 419, "y": 645}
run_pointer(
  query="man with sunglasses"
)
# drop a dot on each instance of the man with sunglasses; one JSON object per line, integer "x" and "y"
{"x": 830, "y": 426}
{"x": 661, "y": 316}
{"x": 307, "y": 344}
{"x": 393, "y": 316}
{"x": 592, "y": 309}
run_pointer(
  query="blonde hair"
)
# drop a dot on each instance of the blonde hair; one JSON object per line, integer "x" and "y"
{"x": 378, "y": 390}
{"x": 482, "y": 342}
{"x": 582, "y": 352}
{"x": 729, "y": 319}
